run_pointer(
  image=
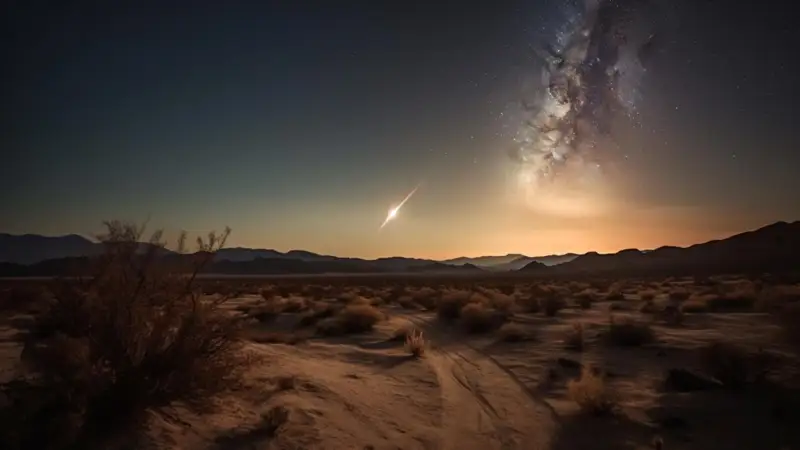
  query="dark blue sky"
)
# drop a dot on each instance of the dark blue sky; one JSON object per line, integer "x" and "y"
{"x": 298, "y": 125}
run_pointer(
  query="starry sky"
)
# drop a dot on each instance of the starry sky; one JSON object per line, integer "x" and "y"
{"x": 298, "y": 124}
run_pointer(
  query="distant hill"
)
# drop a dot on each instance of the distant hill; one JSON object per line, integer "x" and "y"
{"x": 510, "y": 262}
{"x": 33, "y": 255}
{"x": 774, "y": 247}
{"x": 32, "y": 248}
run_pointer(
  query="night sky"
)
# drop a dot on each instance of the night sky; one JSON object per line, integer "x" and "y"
{"x": 299, "y": 125}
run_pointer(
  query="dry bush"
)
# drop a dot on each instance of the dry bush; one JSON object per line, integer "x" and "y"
{"x": 672, "y": 315}
{"x": 512, "y": 332}
{"x": 406, "y": 301}
{"x": 136, "y": 334}
{"x": 451, "y": 303}
{"x": 576, "y": 339}
{"x": 585, "y": 298}
{"x": 529, "y": 303}
{"x": 591, "y": 393}
{"x": 679, "y": 295}
{"x": 776, "y": 298}
{"x": 629, "y": 333}
{"x": 266, "y": 312}
{"x": 318, "y": 312}
{"x": 697, "y": 303}
{"x": 552, "y": 305}
{"x": 477, "y": 318}
{"x": 425, "y": 297}
{"x": 415, "y": 343}
{"x": 648, "y": 307}
{"x": 357, "y": 318}
{"x": 22, "y": 298}
{"x": 295, "y": 304}
{"x": 647, "y": 295}
{"x": 616, "y": 292}
{"x": 733, "y": 365}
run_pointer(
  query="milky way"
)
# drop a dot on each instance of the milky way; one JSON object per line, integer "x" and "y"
{"x": 591, "y": 70}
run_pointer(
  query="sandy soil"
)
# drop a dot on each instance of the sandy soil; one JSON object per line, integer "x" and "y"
{"x": 478, "y": 392}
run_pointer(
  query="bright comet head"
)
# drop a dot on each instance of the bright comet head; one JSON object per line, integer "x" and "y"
{"x": 393, "y": 211}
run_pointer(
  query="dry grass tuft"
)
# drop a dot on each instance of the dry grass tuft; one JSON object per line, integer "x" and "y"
{"x": 575, "y": 340}
{"x": 135, "y": 335}
{"x": 584, "y": 299}
{"x": 353, "y": 319}
{"x": 415, "y": 343}
{"x": 552, "y": 305}
{"x": 629, "y": 333}
{"x": 591, "y": 393}
{"x": 477, "y": 318}
{"x": 734, "y": 366}
{"x": 512, "y": 332}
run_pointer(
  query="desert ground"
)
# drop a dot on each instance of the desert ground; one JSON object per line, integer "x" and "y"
{"x": 500, "y": 363}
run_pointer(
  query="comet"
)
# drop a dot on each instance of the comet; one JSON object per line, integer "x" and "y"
{"x": 392, "y": 214}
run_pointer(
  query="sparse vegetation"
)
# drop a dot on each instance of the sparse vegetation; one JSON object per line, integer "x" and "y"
{"x": 135, "y": 335}
{"x": 576, "y": 339}
{"x": 512, "y": 332}
{"x": 355, "y": 318}
{"x": 477, "y": 318}
{"x": 591, "y": 393}
{"x": 629, "y": 333}
{"x": 415, "y": 343}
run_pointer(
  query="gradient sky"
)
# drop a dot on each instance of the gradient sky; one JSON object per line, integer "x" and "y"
{"x": 298, "y": 126}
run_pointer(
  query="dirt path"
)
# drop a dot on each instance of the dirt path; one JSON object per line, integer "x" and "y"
{"x": 485, "y": 407}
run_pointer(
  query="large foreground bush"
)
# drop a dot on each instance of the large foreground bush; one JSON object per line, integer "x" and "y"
{"x": 133, "y": 335}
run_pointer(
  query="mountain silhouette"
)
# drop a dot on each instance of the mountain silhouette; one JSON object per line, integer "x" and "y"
{"x": 775, "y": 247}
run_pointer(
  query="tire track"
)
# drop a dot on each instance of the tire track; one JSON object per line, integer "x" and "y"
{"x": 485, "y": 406}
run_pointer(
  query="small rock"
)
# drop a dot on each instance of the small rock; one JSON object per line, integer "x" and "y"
{"x": 683, "y": 380}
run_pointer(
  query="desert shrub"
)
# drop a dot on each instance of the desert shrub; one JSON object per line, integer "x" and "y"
{"x": 529, "y": 304}
{"x": 789, "y": 318}
{"x": 266, "y": 312}
{"x": 294, "y": 304}
{"x": 648, "y": 307}
{"x": 406, "y": 301}
{"x": 415, "y": 343}
{"x": 552, "y": 305}
{"x": 672, "y": 315}
{"x": 318, "y": 311}
{"x": 629, "y": 333}
{"x": 357, "y": 318}
{"x": 775, "y": 298}
{"x": 575, "y": 339}
{"x": 733, "y": 301}
{"x": 615, "y": 292}
{"x": 451, "y": 303}
{"x": 697, "y": 303}
{"x": 425, "y": 297}
{"x": 679, "y": 295}
{"x": 733, "y": 365}
{"x": 134, "y": 335}
{"x": 22, "y": 298}
{"x": 584, "y": 299}
{"x": 591, "y": 393}
{"x": 507, "y": 289}
{"x": 647, "y": 295}
{"x": 477, "y": 318}
{"x": 512, "y": 332}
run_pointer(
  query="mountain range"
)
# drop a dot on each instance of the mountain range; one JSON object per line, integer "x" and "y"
{"x": 771, "y": 248}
